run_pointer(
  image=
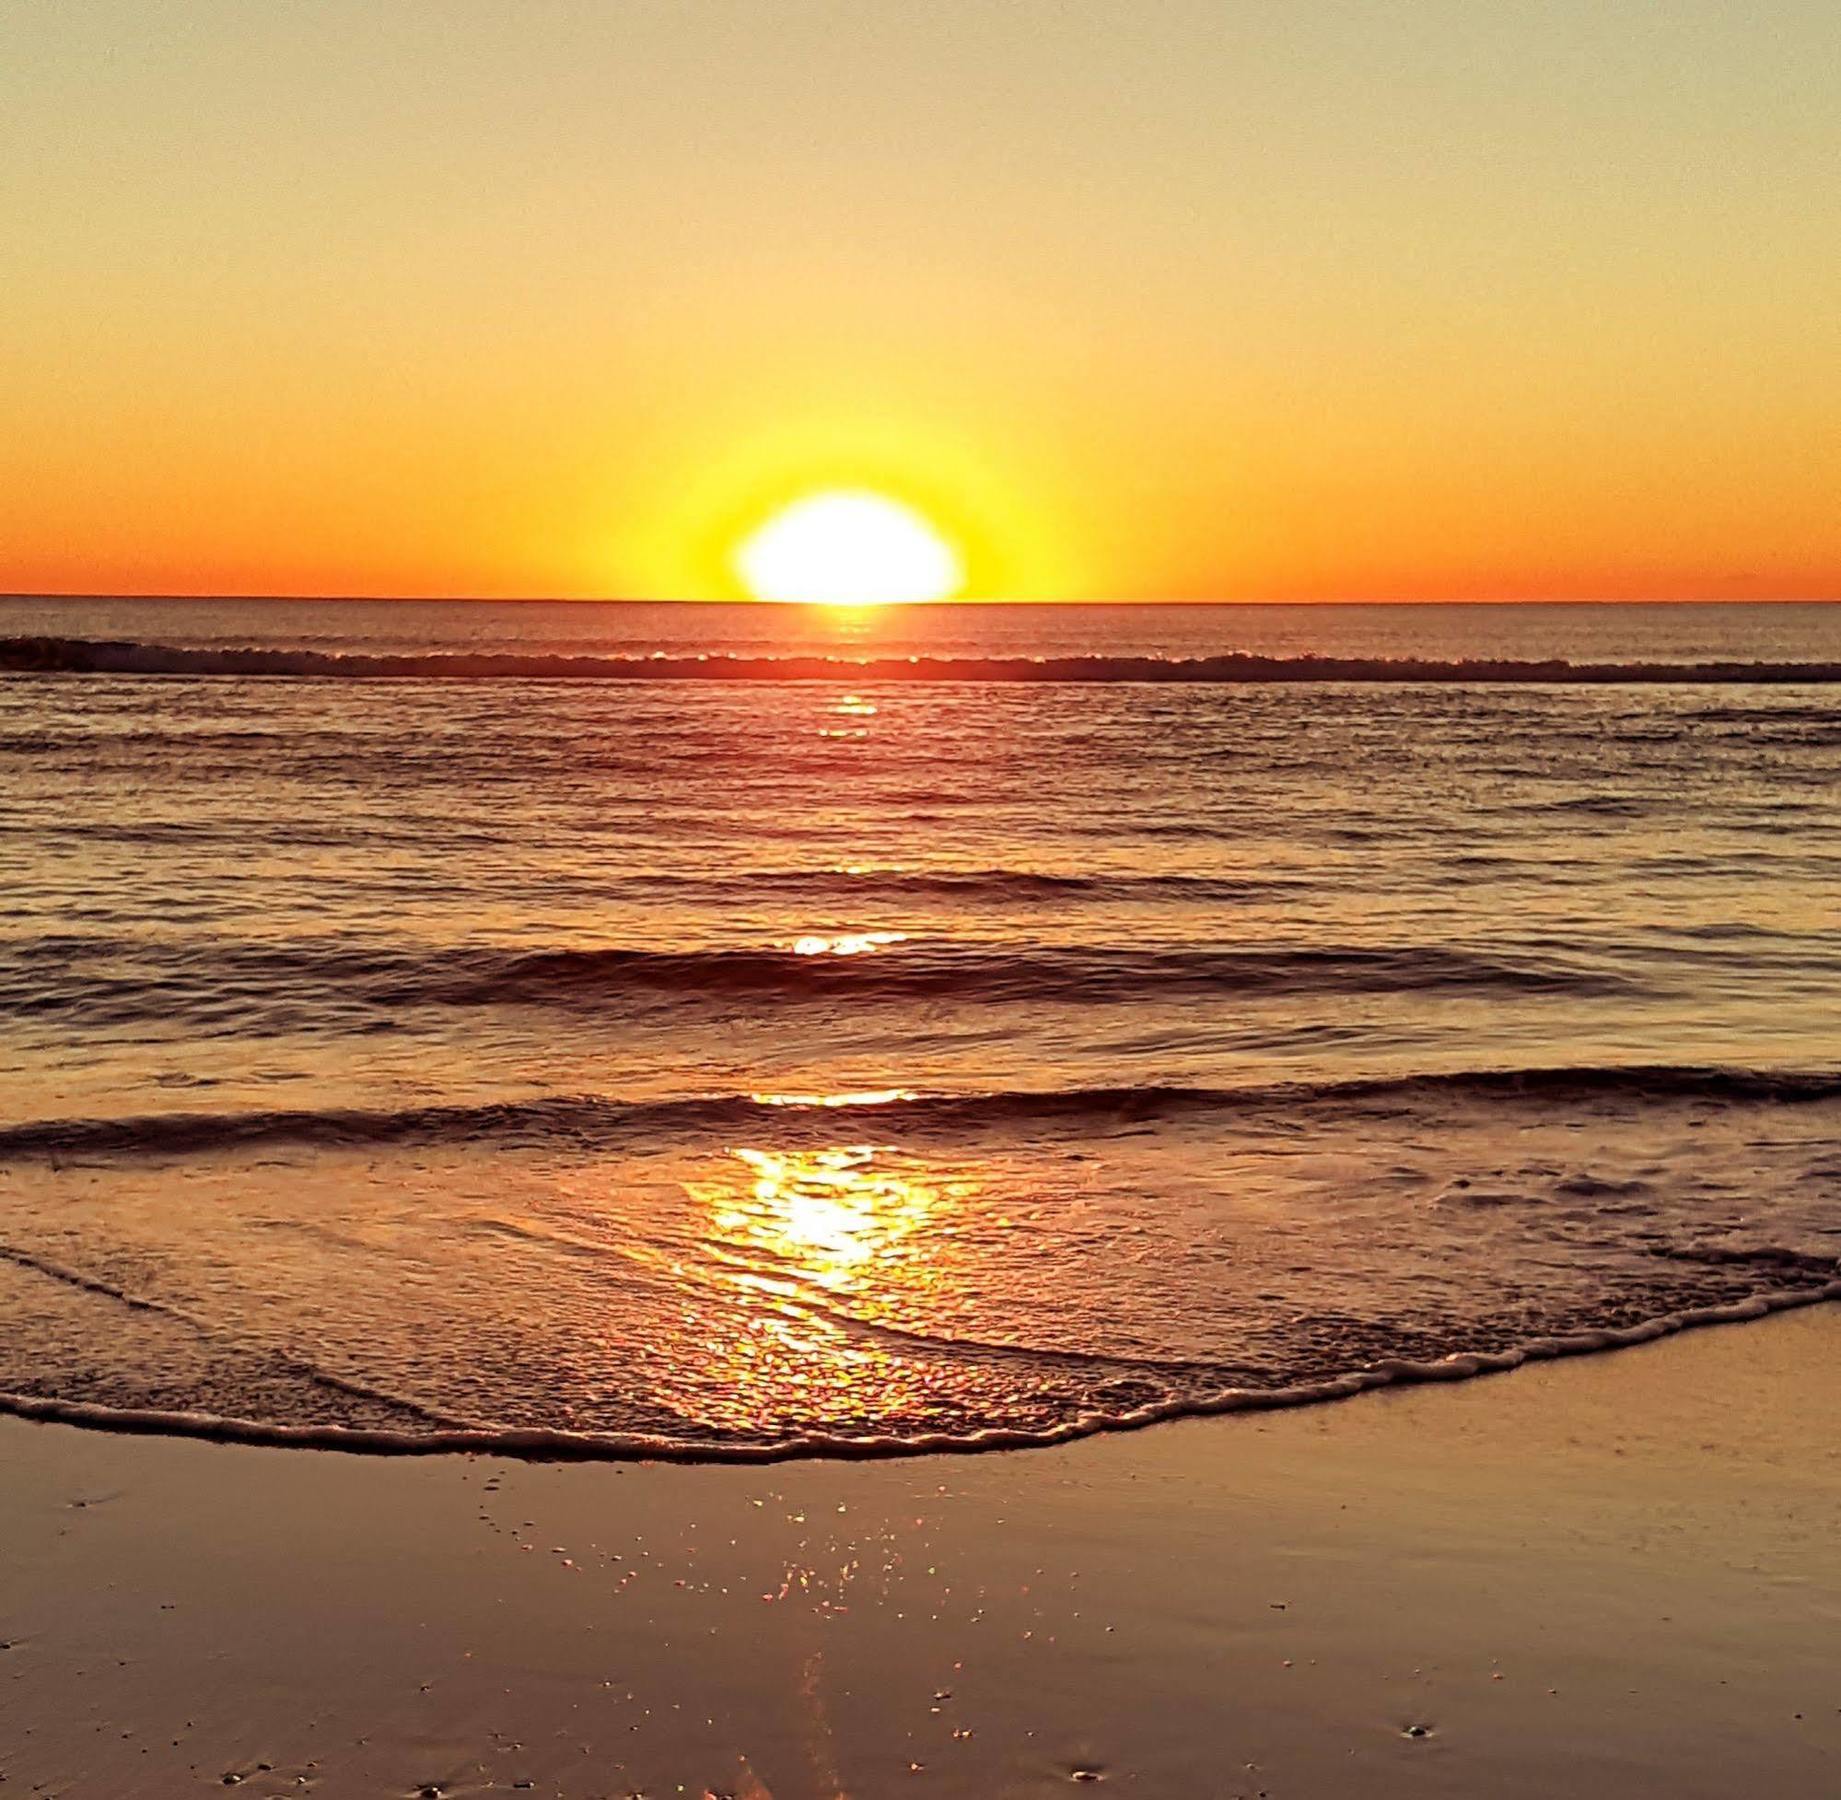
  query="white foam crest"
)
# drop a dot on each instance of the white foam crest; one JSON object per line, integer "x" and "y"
{"x": 96, "y": 656}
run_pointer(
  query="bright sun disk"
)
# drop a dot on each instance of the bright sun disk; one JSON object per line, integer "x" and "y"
{"x": 849, "y": 548}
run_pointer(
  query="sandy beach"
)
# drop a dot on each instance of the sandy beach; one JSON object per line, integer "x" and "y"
{"x": 1618, "y": 1575}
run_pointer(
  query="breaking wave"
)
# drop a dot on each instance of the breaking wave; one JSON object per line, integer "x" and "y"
{"x": 95, "y": 656}
{"x": 599, "y": 1121}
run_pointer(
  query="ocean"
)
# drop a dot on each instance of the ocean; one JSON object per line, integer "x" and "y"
{"x": 733, "y": 1031}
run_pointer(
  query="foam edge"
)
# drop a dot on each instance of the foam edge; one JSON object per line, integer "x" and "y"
{"x": 539, "y": 1444}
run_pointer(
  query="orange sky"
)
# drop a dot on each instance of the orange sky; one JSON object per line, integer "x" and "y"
{"x": 1186, "y": 299}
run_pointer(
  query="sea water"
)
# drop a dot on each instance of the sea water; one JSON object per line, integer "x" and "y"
{"x": 630, "y": 1029}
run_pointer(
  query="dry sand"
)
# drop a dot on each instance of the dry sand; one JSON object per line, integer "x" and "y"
{"x": 1615, "y": 1576}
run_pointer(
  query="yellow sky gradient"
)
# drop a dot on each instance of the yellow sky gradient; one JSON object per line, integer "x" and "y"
{"x": 1179, "y": 299}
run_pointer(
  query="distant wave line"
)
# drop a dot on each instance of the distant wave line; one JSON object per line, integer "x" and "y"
{"x": 96, "y": 656}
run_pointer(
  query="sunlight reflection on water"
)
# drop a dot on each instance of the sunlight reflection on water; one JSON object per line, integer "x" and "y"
{"x": 846, "y": 943}
{"x": 816, "y": 1248}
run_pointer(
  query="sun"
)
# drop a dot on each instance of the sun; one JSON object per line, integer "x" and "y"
{"x": 849, "y": 547}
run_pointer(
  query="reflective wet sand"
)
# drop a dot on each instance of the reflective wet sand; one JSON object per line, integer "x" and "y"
{"x": 1617, "y": 1576}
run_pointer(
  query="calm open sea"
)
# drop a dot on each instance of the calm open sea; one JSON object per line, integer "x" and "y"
{"x": 582, "y": 1034}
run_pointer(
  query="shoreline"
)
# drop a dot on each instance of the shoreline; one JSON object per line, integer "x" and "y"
{"x": 1371, "y": 1600}
{"x": 542, "y": 1444}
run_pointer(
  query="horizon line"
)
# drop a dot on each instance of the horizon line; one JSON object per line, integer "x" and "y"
{"x": 312, "y": 599}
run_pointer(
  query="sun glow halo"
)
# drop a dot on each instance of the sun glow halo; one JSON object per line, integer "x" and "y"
{"x": 849, "y": 548}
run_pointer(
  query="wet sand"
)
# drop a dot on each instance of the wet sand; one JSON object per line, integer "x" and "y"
{"x": 1615, "y": 1575}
